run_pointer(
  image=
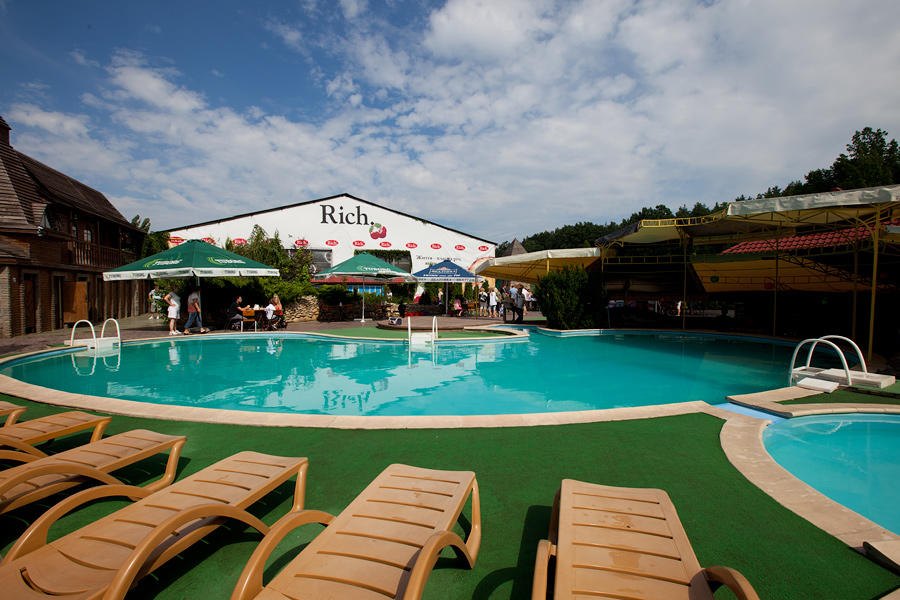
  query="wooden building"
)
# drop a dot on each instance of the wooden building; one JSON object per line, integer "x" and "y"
{"x": 57, "y": 236}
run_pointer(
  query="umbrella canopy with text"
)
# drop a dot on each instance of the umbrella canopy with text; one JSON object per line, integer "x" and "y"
{"x": 193, "y": 258}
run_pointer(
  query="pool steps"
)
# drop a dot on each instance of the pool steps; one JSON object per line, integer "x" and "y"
{"x": 828, "y": 380}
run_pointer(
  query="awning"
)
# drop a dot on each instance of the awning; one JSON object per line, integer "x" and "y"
{"x": 763, "y": 216}
{"x": 532, "y": 266}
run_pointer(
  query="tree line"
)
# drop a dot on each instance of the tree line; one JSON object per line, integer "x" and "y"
{"x": 870, "y": 160}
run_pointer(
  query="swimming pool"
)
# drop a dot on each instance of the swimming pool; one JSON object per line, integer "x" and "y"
{"x": 309, "y": 375}
{"x": 854, "y": 459}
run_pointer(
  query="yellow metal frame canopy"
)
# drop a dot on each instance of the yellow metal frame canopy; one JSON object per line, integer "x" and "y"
{"x": 532, "y": 266}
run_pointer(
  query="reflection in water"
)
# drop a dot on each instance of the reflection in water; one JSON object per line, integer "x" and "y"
{"x": 308, "y": 375}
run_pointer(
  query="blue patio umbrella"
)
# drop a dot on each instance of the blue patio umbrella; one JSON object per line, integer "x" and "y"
{"x": 445, "y": 272}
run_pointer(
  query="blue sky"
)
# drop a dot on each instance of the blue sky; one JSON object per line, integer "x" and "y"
{"x": 500, "y": 118}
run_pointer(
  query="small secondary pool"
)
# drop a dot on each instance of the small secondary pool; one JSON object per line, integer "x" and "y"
{"x": 306, "y": 374}
{"x": 854, "y": 459}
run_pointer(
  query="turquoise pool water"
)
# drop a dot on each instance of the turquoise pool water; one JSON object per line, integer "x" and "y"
{"x": 852, "y": 459}
{"x": 303, "y": 374}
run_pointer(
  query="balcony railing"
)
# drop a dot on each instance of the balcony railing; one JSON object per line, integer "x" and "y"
{"x": 86, "y": 254}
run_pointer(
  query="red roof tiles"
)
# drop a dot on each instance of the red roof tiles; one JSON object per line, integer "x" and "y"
{"x": 842, "y": 237}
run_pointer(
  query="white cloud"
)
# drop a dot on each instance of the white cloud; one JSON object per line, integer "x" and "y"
{"x": 500, "y": 118}
{"x": 353, "y": 8}
{"x": 291, "y": 36}
{"x": 79, "y": 57}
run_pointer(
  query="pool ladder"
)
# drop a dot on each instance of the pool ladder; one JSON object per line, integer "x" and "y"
{"x": 828, "y": 379}
{"x": 100, "y": 345}
{"x": 422, "y": 338}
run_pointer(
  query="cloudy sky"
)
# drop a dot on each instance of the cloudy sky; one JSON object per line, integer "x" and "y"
{"x": 501, "y": 118}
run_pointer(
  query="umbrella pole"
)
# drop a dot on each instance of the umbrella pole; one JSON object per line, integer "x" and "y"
{"x": 363, "y": 319}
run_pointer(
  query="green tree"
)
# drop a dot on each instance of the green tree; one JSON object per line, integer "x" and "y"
{"x": 154, "y": 241}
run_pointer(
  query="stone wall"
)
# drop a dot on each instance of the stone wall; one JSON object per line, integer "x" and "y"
{"x": 304, "y": 309}
{"x": 309, "y": 308}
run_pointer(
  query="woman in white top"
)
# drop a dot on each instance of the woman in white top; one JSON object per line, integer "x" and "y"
{"x": 173, "y": 311}
{"x": 492, "y": 302}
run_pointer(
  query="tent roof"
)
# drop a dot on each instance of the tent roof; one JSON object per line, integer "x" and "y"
{"x": 531, "y": 266}
{"x": 192, "y": 258}
{"x": 762, "y": 216}
{"x": 364, "y": 265}
{"x": 445, "y": 271}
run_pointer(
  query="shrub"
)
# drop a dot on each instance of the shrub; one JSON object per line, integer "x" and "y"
{"x": 570, "y": 298}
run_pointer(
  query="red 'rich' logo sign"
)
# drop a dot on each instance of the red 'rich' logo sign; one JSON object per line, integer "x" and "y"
{"x": 483, "y": 248}
{"x": 459, "y": 247}
{"x": 210, "y": 241}
{"x": 385, "y": 244}
{"x": 412, "y": 245}
{"x": 359, "y": 243}
{"x": 332, "y": 243}
{"x": 436, "y": 246}
{"x": 300, "y": 243}
{"x": 176, "y": 240}
{"x": 239, "y": 241}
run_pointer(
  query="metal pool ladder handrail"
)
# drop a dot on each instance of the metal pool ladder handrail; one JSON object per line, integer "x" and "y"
{"x": 93, "y": 342}
{"x": 822, "y": 340}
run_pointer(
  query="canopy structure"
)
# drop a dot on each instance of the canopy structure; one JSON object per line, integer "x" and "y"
{"x": 193, "y": 258}
{"x": 446, "y": 272}
{"x": 363, "y": 267}
{"x": 764, "y": 217}
{"x": 532, "y": 266}
{"x": 811, "y": 242}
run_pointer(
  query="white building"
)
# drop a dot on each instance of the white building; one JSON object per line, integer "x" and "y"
{"x": 333, "y": 228}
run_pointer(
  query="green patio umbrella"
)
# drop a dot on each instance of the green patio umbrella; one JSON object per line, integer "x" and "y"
{"x": 193, "y": 258}
{"x": 366, "y": 267}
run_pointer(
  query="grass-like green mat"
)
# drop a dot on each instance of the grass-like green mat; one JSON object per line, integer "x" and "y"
{"x": 728, "y": 519}
{"x": 845, "y": 396}
{"x": 392, "y": 334}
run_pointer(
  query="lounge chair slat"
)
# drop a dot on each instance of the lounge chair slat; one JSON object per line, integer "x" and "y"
{"x": 51, "y": 427}
{"x": 100, "y": 549}
{"x": 105, "y": 456}
{"x": 623, "y": 543}
{"x": 372, "y": 549}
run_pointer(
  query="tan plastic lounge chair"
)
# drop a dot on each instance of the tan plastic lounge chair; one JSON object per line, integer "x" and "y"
{"x": 103, "y": 559}
{"x": 22, "y": 436}
{"x": 383, "y": 545}
{"x": 614, "y": 542}
{"x": 10, "y": 411}
{"x": 41, "y": 477}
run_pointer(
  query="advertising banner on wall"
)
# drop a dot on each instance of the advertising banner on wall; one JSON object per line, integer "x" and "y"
{"x": 344, "y": 224}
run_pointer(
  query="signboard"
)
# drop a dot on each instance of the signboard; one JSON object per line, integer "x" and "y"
{"x": 342, "y": 225}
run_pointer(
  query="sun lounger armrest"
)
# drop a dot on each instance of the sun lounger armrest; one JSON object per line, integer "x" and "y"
{"x": 8, "y": 442}
{"x": 732, "y": 579}
{"x": 36, "y": 535}
{"x": 130, "y": 570}
{"x": 65, "y": 469}
{"x": 16, "y": 456}
{"x": 250, "y": 582}
{"x": 541, "y": 567}
{"x": 175, "y": 447}
{"x": 13, "y": 413}
{"x": 428, "y": 555}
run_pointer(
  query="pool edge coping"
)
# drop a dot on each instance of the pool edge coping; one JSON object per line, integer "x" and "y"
{"x": 741, "y": 439}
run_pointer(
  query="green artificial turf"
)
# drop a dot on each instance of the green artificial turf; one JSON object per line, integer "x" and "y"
{"x": 729, "y": 521}
{"x": 845, "y": 396}
{"x": 397, "y": 334}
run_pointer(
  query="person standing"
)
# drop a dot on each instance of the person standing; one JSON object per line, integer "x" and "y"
{"x": 173, "y": 311}
{"x": 482, "y": 303}
{"x": 154, "y": 297}
{"x": 518, "y": 301}
{"x": 492, "y": 303}
{"x": 194, "y": 316}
